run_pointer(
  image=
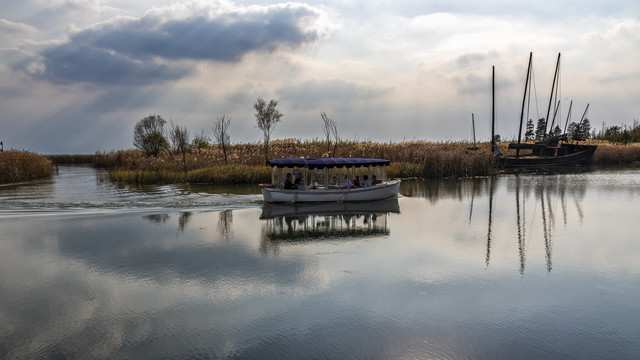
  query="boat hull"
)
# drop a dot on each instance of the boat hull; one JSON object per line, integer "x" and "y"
{"x": 376, "y": 192}
{"x": 574, "y": 155}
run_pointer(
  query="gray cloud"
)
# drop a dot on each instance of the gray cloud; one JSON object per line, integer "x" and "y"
{"x": 82, "y": 63}
{"x": 145, "y": 50}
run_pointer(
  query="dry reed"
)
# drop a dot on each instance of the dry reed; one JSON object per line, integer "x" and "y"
{"x": 409, "y": 159}
{"x": 16, "y": 166}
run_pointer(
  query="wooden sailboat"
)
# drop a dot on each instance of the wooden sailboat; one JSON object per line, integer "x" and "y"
{"x": 551, "y": 151}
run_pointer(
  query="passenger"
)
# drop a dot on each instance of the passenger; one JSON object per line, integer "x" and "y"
{"x": 298, "y": 182}
{"x": 365, "y": 183}
{"x": 374, "y": 180}
{"x": 346, "y": 183}
{"x": 356, "y": 182}
{"x": 288, "y": 184}
{"x": 334, "y": 180}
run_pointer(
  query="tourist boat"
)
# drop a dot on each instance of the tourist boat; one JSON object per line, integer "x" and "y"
{"x": 319, "y": 180}
{"x": 552, "y": 151}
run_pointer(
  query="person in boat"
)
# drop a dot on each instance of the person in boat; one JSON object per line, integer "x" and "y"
{"x": 346, "y": 183}
{"x": 288, "y": 184}
{"x": 356, "y": 182}
{"x": 365, "y": 183}
{"x": 298, "y": 182}
{"x": 374, "y": 180}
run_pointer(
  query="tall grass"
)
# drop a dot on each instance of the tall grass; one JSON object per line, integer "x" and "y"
{"x": 16, "y": 166}
{"x": 420, "y": 159}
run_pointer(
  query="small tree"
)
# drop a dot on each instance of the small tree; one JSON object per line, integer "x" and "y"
{"x": 330, "y": 128}
{"x": 221, "y": 134}
{"x": 200, "y": 141}
{"x": 267, "y": 117}
{"x": 585, "y": 128}
{"x": 556, "y": 131}
{"x": 540, "y": 129}
{"x": 148, "y": 135}
{"x": 180, "y": 140}
{"x": 530, "y": 133}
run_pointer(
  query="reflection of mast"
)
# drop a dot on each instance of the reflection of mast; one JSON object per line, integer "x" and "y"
{"x": 545, "y": 230}
{"x": 521, "y": 226}
{"x": 473, "y": 195}
{"x": 491, "y": 187}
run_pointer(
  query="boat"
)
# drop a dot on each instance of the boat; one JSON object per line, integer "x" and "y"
{"x": 318, "y": 180}
{"x": 552, "y": 151}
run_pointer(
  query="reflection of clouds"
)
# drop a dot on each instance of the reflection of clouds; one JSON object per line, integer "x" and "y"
{"x": 116, "y": 285}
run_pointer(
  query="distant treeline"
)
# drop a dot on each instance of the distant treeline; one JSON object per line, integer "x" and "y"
{"x": 620, "y": 134}
{"x": 78, "y": 159}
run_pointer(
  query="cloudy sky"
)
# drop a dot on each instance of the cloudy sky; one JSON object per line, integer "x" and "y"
{"x": 76, "y": 75}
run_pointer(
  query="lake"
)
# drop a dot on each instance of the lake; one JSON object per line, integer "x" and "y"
{"x": 525, "y": 266}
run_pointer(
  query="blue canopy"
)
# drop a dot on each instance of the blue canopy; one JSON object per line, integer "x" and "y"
{"x": 327, "y": 162}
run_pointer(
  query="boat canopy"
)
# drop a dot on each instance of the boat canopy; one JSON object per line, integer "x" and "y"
{"x": 322, "y": 163}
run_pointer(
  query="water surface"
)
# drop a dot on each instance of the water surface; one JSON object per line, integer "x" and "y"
{"x": 528, "y": 267}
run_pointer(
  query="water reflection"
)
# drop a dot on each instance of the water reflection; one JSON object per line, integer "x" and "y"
{"x": 298, "y": 223}
{"x": 537, "y": 201}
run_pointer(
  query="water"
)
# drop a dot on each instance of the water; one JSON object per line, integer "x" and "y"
{"x": 527, "y": 267}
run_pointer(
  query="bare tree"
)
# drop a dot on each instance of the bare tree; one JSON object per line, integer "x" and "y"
{"x": 180, "y": 140}
{"x": 267, "y": 117}
{"x": 148, "y": 135}
{"x": 221, "y": 134}
{"x": 330, "y": 128}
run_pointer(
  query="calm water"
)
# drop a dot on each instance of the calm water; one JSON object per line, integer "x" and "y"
{"x": 513, "y": 267}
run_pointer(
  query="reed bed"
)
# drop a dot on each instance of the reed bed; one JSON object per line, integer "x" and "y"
{"x": 221, "y": 174}
{"x": 410, "y": 159}
{"x": 615, "y": 154}
{"x": 17, "y": 166}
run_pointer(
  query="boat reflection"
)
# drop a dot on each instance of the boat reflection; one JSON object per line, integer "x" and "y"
{"x": 304, "y": 222}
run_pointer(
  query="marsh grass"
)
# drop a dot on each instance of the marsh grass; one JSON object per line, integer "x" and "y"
{"x": 410, "y": 159}
{"x": 16, "y": 166}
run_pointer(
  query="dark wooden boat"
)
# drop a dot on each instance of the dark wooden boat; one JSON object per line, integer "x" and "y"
{"x": 552, "y": 151}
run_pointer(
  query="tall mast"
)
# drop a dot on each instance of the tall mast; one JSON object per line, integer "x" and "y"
{"x": 568, "y": 117}
{"x": 555, "y": 76}
{"x": 493, "y": 109}
{"x": 473, "y": 124}
{"x": 524, "y": 98}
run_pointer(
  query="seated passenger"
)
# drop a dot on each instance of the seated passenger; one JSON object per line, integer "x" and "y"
{"x": 288, "y": 184}
{"x": 356, "y": 181}
{"x": 346, "y": 183}
{"x": 365, "y": 183}
{"x": 298, "y": 182}
{"x": 374, "y": 180}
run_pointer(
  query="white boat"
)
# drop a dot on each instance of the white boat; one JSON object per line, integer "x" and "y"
{"x": 316, "y": 186}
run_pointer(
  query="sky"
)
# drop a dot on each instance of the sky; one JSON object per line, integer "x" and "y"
{"x": 76, "y": 75}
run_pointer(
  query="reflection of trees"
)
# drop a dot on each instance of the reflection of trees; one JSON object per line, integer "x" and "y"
{"x": 157, "y": 218}
{"x": 183, "y": 219}
{"x": 434, "y": 190}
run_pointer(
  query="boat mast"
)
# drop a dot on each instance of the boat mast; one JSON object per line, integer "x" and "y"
{"x": 568, "y": 117}
{"x": 524, "y": 98}
{"x": 473, "y": 125}
{"x": 493, "y": 109}
{"x": 555, "y": 76}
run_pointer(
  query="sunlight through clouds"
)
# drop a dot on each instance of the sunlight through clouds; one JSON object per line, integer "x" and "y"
{"x": 424, "y": 66}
